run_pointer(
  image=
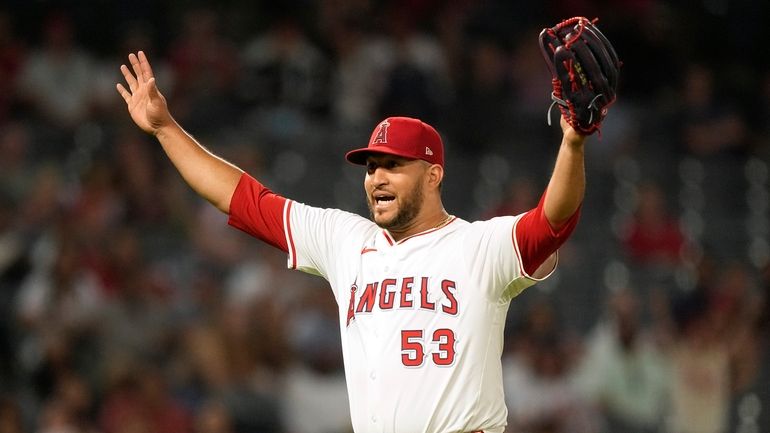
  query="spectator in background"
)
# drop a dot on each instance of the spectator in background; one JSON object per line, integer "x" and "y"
{"x": 520, "y": 195}
{"x": 714, "y": 355}
{"x": 641, "y": 31}
{"x": 529, "y": 84}
{"x": 538, "y": 392}
{"x": 58, "y": 305}
{"x": 56, "y": 79}
{"x": 138, "y": 400}
{"x": 652, "y": 237}
{"x": 137, "y": 321}
{"x": 205, "y": 72}
{"x": 136, "y": 178}
{"x": 418, "y": 80}
{"x": 733, "y": 312}
{"x": 96, "y": 205}
{"x": 483, "y": 97}
{"x": 285, "y": 77}
{"x": 239, "y": 356}
{"x": 64, "y": 297}
{"x": 42, "y": 207}
{"x": 360, "y": 66}
{"x": 710, "y": 125}
{"x": 700, "y": 381}
{"x": 624, "y": 372}
{"x": 316, "y": 398}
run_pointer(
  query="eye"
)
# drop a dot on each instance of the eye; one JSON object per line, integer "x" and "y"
{"x": 386, "y": 164}
{"x": 371, "y": 166}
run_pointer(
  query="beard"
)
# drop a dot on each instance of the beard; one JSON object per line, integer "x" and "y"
{"x": 410, "y": 207}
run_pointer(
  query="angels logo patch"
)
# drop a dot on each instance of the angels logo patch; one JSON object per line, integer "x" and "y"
{"x": 381, "y": 135}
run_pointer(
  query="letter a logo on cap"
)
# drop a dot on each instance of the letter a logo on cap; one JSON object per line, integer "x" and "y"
{"x": 382, "y": 134}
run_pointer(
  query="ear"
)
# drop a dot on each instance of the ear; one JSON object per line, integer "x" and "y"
{"x": 435, "y": 175}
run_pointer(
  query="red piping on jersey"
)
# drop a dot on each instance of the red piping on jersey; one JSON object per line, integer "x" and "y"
{"x": 290, "y": 238}
{"x": 365, "y": 250}
{"x": 387, "y": 237}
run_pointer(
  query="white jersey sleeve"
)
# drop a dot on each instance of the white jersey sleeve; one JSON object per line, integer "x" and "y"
{"x": 495, "y": 260}
{"x": 317, "y": 237}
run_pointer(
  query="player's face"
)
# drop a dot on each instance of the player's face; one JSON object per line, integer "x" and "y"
{"x": 394, "y": 190}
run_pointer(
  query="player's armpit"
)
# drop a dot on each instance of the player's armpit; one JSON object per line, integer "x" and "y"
{"x": 537, "y": 239}
{"x": 259, "y": 212}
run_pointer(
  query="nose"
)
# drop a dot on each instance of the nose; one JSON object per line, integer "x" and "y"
{"x": 378, "y": 177}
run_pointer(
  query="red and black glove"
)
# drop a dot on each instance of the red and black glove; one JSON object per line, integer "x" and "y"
{"x": 584, "y": 69}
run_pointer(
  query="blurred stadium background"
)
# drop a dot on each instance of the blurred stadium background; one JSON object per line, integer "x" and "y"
{"x": 127, "y": 305}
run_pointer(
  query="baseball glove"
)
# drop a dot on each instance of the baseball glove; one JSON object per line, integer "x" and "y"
{"x": 584, "y": 69}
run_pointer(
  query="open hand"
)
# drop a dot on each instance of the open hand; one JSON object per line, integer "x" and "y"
{"x": 146, "y": 104}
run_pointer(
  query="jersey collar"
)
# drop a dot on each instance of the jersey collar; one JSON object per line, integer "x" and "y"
{"x": 389, "y": 238}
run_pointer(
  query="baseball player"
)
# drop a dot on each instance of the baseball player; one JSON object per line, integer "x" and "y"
{"x": 422, "y": 294}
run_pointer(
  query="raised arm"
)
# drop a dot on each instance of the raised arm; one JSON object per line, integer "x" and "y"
{"x": 568, "y": 181}
{"x": 207, "y": 174}
{"x": 542, "y": 230}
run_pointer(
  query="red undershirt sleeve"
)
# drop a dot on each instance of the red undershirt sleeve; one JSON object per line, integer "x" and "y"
{"x": 259, "y": 212}
{"x": 537, "y": 239}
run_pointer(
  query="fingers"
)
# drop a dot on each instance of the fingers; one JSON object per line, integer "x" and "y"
{"x": 145, "y": 64}
{"x": 142, "y": 74}
{"x": 135, "y": 64}
{"x": 132, "y": 84}
{"x": 124, "y": 93}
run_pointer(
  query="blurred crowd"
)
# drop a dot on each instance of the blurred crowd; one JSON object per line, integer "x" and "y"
{"x": 128, "y": 306}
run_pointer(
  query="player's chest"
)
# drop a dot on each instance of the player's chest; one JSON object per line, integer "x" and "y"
{"x": 381, "y": 257}
{"x": 402, "y": 280}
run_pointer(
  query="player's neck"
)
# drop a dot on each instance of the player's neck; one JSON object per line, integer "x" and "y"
{"x": 422, "y": 224}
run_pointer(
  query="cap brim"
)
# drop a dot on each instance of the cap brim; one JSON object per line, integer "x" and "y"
{"x": 358, "y": 156}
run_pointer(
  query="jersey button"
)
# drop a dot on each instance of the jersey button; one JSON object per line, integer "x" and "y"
{"x": 373, "y": 374}
{"x": 374, "y": 418}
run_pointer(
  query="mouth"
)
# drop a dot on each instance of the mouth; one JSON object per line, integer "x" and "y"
{"x": 382, "y": 200}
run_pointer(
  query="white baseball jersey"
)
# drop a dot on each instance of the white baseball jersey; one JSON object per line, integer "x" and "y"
{"x": 421, "y": 319}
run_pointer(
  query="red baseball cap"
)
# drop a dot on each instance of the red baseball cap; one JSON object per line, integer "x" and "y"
{"x": 405, "y": 137}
